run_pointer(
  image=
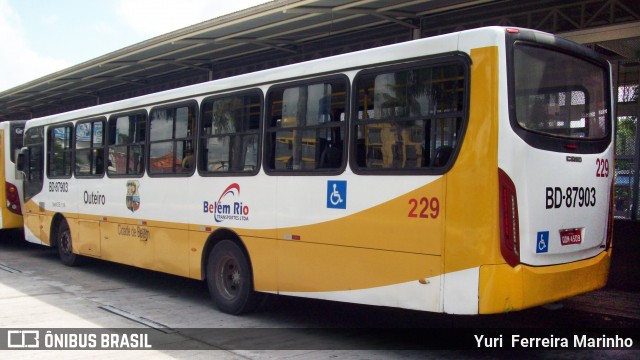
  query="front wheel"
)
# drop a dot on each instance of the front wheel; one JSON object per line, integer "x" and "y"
{"x": 65, "y": 246}
{"x": 229, "y": 278}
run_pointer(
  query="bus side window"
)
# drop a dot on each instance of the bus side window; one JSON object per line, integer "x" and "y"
{"x": 229, "y": 134}
{"x": 442, "y": 156}
{"x": 409, "y": 117}
{"x": 171, "y": 138}
{"x": 126, "y": 143}
{"x": 89, "y": 148}
{"x": 308, "y": 126}
{"x": 59, "y": 151}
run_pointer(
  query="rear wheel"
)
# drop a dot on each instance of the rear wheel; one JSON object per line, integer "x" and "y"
{"x": 229, "y": 278}
{"x": 65, "y": 246}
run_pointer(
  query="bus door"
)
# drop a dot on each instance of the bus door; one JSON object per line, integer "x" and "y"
{"x": 32, "y": 165}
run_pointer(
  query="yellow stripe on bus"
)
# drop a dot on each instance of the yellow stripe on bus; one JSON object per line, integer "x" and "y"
{"x": 472, "y": 232}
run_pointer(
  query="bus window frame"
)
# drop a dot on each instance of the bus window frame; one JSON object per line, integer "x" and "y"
{"x": 49, "y": 150}
{"x": 107, "y": 135}
{"x": 27, "y": 181}
{"x": 194, "y": 137}
{"x": 443, "y": 59}
{"x": 201, "y": 138}
{"x": 546, "y": 141}
{"x": 104, "y": 121}
{"x": 343, "y": 125}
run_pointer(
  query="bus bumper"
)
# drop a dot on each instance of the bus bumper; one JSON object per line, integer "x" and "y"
{"x": 503, "y": 288}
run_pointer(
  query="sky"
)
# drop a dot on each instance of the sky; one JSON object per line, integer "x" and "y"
{"x": 40, "y": 37}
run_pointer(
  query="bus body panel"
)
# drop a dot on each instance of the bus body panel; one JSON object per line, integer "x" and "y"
{"x": 472, "y": 199}
{"x": 34, "y": 220}
{"x": 504, "y": 288}
{"x": 89, "y": 237}
{"x": 389, "y": 212}
{"x": 563, "y": 210}
{"x": 552, "y": 204}
{"x": 412, "y": 295}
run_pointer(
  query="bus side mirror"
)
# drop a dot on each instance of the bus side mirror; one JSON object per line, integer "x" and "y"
{"x": 22, "y": 161}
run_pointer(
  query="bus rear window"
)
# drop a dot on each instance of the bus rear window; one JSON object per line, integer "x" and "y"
{"x": 560, "y": 95}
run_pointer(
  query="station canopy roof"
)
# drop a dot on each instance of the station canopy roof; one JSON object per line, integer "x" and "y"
{"x": 268, "y": 35}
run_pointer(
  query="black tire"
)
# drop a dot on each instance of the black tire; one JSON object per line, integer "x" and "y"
{"x": 65, "y": 246}
{"x": 229, "y": 279}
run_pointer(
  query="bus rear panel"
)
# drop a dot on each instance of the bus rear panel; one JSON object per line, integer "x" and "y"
{"x": 555, "y": 159}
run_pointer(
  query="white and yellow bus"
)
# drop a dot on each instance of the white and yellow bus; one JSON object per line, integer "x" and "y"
{"x": 10, "y": 142}
{"x": 467, "y": 173}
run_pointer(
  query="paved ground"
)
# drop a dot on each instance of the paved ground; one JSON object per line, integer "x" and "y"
{"x": 36, "y": 291}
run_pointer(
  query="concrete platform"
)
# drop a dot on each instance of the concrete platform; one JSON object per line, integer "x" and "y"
{"x": 36, "y": 291}
{"x": 608, "y": 301}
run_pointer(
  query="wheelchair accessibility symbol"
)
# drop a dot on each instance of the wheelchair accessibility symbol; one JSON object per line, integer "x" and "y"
{"x": 542, "y": 244}
{"x": 336, "y": 194}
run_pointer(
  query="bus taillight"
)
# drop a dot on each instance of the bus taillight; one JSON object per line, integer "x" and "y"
{"x": 509, "y": 227}
{"x": 13, "y": 198}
